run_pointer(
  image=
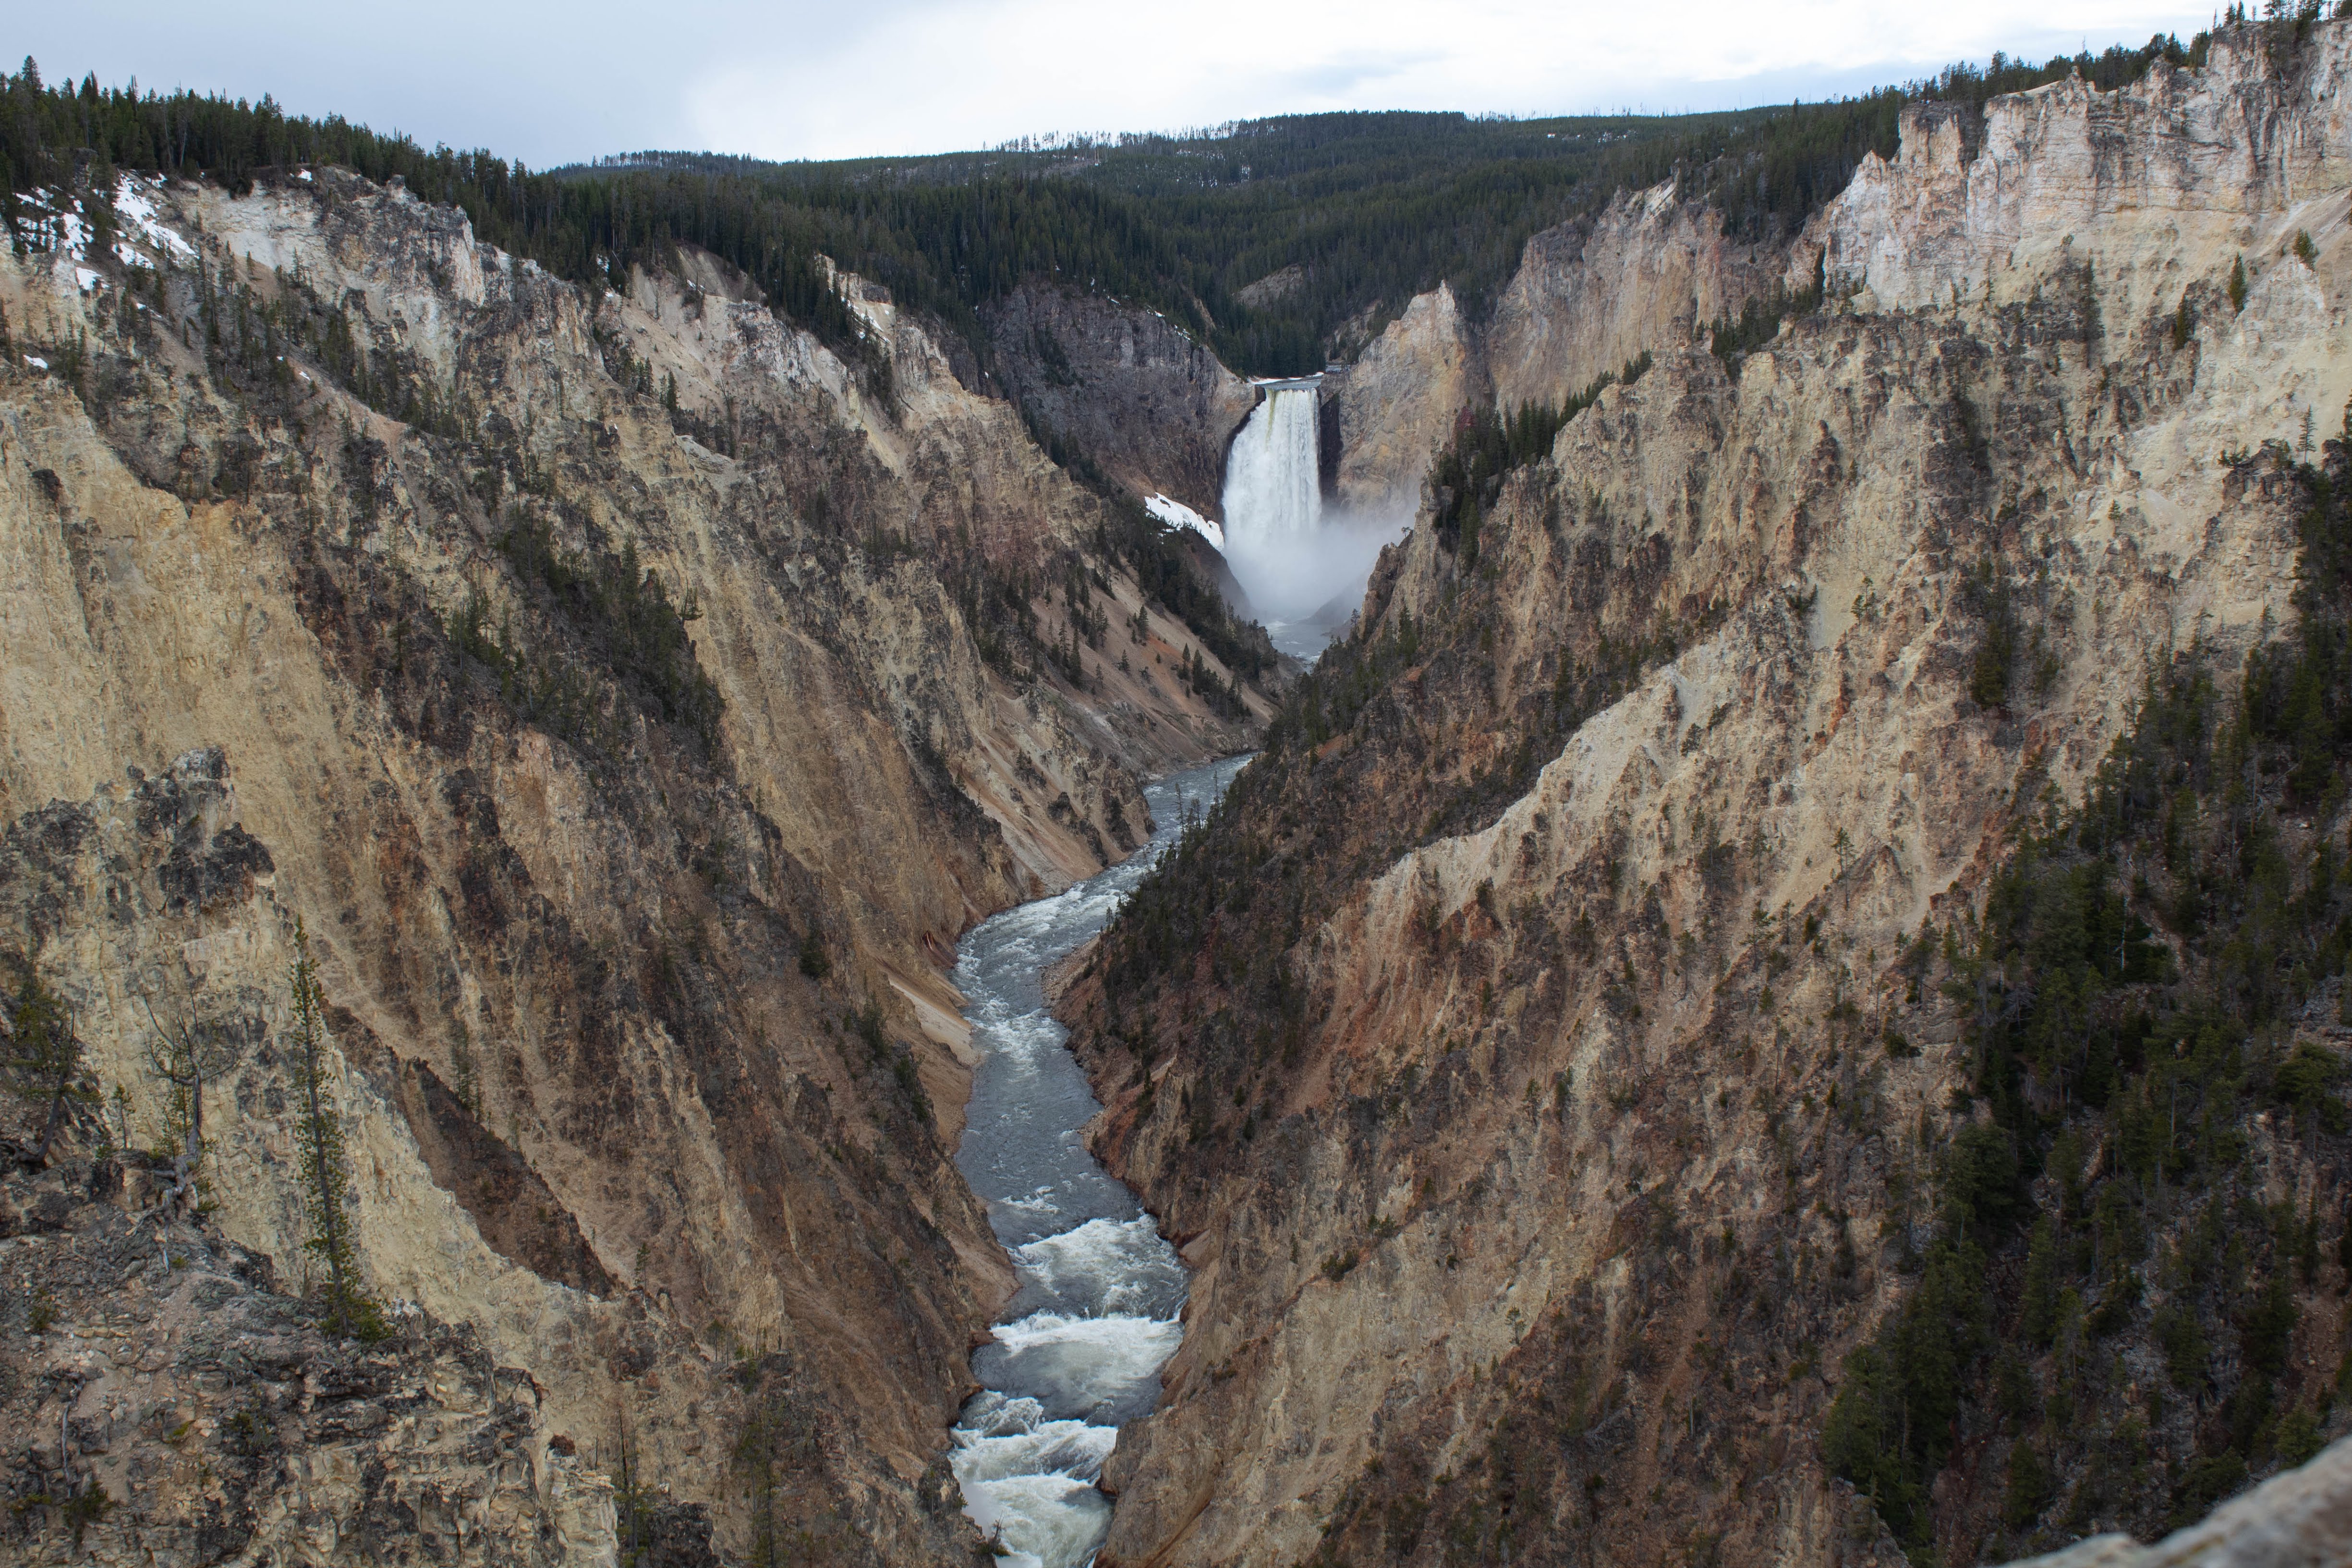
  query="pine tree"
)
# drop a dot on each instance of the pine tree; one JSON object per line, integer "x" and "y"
{"x": 468, "y": 1072}
{"x": 633, "y": 1504}
{"x": 45, "y": 1054}
{"x": 2042, "y": 1282}
{"x": 326, "y": 1169}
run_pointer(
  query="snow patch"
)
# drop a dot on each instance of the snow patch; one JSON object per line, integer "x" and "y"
{"x": 37, "y": 361}
{"x": 137, "y": 210}
{"x": 1176, "y": 514}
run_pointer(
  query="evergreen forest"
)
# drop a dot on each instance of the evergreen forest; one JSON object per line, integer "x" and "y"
{"x": 1370, "y": 208}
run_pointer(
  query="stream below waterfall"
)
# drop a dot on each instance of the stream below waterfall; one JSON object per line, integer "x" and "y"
{"x": 1079, "y": 1347}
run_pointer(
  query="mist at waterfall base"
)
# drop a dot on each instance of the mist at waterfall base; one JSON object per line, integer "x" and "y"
{"x": 1079, "y": 1348}
{"x": 1302, "y": 564}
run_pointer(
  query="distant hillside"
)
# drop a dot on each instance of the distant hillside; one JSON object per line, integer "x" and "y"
{"x": 1372, "y": 208}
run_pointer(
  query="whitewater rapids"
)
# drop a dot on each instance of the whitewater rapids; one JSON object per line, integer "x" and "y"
{"x": 1101, "y": 1296}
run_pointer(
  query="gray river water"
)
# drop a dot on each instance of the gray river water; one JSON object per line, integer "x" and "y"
{"x": 1079, "y": 1348}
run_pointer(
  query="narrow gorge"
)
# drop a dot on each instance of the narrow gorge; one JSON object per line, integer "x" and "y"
{"x": 632, "y": 761}
{"x": 1084, "y": 856}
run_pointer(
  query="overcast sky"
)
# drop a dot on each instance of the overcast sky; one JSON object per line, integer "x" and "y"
{"x": 552, "y": 83}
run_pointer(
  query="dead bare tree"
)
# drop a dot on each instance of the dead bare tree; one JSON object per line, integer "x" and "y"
{"x": 183, "y": 1057}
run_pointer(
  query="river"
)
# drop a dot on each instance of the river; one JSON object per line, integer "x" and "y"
{"x": 1079, "y": 1347}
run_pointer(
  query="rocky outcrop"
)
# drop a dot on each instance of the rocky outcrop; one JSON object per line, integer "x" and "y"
{"x": 2162, "y": 177}
{"x": 633, "y": 701}
{"x": 1526, "y": 1059}
{"x": 2141, "y": 191}
{"x": 1273, "y": 288}
{"x": 1150, "y": 406}
{"x": 1647, "y": 273}
{"x": 171, "y": 1404}
{"x": 1394, "y": 405}
{"x": 2148, "y": 188}
{"x": 2304, "y": 1516}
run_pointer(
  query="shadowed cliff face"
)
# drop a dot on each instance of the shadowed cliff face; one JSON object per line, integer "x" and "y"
{"x": 633, "y": 705}
{"x": 1539, "y": 1057}
{"x": 1151, "y": 408}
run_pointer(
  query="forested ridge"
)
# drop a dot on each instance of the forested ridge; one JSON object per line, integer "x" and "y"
{"x": 1371, "y": 208}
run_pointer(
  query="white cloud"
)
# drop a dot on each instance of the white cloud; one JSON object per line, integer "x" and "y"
{"x": 804, "y": 78}
{"x": 969, "y": 73}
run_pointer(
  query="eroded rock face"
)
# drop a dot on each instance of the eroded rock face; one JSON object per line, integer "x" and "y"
{"x": 632, "y": 772}
{"x": 1521, "y": 1109}
{"x": 1125, "y": 385}
{"x": 1647, "y": 274}
{"x": 2144, "y": 190}
{"x": 1395, "y": 404}
{"x": 168, "y": 1403}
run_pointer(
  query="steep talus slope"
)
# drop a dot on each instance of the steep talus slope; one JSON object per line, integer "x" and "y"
{"x": 633, "y": 702}
{"x": 1586, "y": 1024}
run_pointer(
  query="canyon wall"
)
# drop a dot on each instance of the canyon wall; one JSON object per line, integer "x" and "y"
{"x": 632, "y": 701}
{"x": 1649, "y": 272}
{"x": 2145, "y": 187}
{"x": 1394, "y": 405}
{"x": 1561, "y": 1056}
{"x": 1646, "y": 274}
{"x": 1151, "y": 407}
{"x": 1557, "y": 1062}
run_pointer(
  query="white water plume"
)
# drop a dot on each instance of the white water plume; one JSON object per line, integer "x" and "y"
{"x": 1106, "y": 1266}
{"x": 1029, "y": 1483}
{"x": 1291, "y": 559}
{"x": 1103, "y": 1369}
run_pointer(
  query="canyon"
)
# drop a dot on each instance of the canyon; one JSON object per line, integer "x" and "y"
{"x": 1555, "y": 1062}
{"x": 1548, "y": 1059}
{"x": 649, "y": 1068}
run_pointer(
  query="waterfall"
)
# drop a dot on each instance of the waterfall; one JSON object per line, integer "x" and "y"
{"x": 1274, "y": 494}
{"x": 1303, "y": 571}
